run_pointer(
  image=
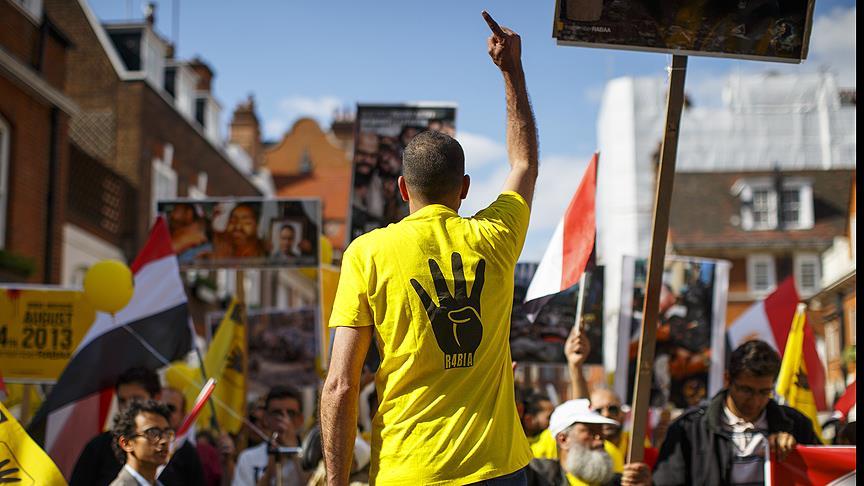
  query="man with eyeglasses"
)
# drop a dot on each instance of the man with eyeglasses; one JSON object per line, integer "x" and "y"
{"x": 259, "y": 465}
{"x": 142, "y": 440}
{"x": 724, "y": 442}
{"x": 97, "y": 465}
{"x": 582, "y": 460}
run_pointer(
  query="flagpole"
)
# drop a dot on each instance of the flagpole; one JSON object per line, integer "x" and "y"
{"x": 656, "y": 261}
{"x": 580, "y": 302}
{"x": 240, "y": 296}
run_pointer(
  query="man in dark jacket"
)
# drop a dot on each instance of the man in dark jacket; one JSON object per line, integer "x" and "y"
{"x": 725, "y": 442}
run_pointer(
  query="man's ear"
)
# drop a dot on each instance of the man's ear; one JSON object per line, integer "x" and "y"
{"x": 403, "y": 188}
{"x": 726, "y": 380}
{"x": 125, "y": 444}
{"x": 562, "y": 441}
{"x": 466, "y": 183}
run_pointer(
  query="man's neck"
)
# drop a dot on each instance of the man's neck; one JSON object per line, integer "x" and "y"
{"x": 414, "y": 205}
{"x": 146, "y": 470}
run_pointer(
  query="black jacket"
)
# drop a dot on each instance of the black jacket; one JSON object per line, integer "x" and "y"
{"x": 98, "y": 466}
{"x": 697, "y": 450}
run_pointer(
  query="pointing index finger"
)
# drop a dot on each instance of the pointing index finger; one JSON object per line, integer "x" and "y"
{"x": 496, "y": 29}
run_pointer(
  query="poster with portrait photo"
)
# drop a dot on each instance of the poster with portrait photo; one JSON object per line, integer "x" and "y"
{"x": 381, "y": 134}
{"x": 243, "y": 232}
{"x": 543, "y": 340}
{"x": 768, "y": 30}
{"x": 690, "y": 354}
{"x": 283, "y": 346}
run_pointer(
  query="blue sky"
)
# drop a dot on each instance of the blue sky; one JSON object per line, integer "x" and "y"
{"x": 308, "y": 58}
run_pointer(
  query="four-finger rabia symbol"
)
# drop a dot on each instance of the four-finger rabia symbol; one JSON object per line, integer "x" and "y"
{"x": 456, "y": 318}
{"x": 8, "y": 473}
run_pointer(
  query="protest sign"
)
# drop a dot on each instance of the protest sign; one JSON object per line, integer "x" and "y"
{"x": 689, "y": 359}
{"x": 754, "y": 29}
{"x": 381, "y": 134}
{"x": 244, "y": 232}
{"x": 40, "y": 328}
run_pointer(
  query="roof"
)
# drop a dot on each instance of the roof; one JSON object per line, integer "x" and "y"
{"x": 705, "y": 213}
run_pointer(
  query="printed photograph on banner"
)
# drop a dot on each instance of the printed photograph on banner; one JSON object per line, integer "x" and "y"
{"x": 40, "y": 328}
{"x": 244, "y": 232}
{"x": 543, "y": 340}
{"x": 282, "y": 347}
{"x": 382, "y": 132}
{"x": 689, "y": 356}
{"x": 751, "y": 29}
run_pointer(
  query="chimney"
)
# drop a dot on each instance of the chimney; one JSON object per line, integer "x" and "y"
{"x": 150, "y": 14}
{"x": 205, "y": 74}
{"x": 245, "y": 131}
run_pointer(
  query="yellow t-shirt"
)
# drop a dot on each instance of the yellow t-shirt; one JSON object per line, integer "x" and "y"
{"x": 439, "y": 290}
{"x": 543, "y": 445}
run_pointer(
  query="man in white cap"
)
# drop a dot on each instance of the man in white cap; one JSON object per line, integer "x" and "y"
{"x": 578, "y": 432}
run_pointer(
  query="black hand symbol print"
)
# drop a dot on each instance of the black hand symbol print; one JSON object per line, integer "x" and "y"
{"x": 456, "y": 319}
{"x": 6, "y": 473}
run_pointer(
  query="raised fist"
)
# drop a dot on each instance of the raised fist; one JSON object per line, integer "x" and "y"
{"x": 456, "y": 319}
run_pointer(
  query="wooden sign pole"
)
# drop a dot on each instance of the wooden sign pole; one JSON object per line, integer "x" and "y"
{"x": 660, "y": 230}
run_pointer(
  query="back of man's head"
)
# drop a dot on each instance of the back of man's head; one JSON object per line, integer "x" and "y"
{"x": 756, "y": 358}
{"x": 433, "y": 166}
{"x": 143, "y": 377}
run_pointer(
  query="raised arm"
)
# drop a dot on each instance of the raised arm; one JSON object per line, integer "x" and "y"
{"x": 339, "y": 401}
{"x": 505, "y": 49}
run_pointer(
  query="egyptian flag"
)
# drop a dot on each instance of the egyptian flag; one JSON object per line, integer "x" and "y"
{"x": 571, "y": 246}
{"x": 153, "y": 327}
{"x": 814, "y": 466}
{"x": 771, "y": 321}
{"x": 846, "y": 405}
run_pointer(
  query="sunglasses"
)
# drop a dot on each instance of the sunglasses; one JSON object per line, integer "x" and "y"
{"x": 155, "y": 434}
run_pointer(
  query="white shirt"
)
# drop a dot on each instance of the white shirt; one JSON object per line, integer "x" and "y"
{"x": 253, "y": 462}
{"x": 139, "y": 478}
{"x": 749, "y": 440}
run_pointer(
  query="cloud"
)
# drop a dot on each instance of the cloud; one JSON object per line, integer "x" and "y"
{"x": 832, "y": 43}
{"x": 290, "y": 108}
{"x": 560, "y": 175}
{"x": 480, "y": 150}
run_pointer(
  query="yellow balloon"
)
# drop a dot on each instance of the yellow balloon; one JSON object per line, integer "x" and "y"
{"x": 109, "y": 285}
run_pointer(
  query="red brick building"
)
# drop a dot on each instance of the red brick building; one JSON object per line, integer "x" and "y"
{"x": 147, "y": 128}
{"x": 34, "y": 155}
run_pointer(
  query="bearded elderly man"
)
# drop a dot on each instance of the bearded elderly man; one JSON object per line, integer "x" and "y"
{"x": 582, "y": 460}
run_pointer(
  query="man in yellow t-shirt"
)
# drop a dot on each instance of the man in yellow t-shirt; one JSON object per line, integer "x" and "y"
{"x": 435, "y": 292}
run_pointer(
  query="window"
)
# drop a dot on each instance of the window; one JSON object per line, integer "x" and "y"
{"x": 807, "y": 274}
{"x": 5, "y": 136}
{"x": 32, "y": 8}
{"x": 762, "y": 208}
{"x": 164, "y": 177}
{"x": 761, "y": 274}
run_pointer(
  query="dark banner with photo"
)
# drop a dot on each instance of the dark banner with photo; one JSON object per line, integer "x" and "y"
{"x": 283, "y": 347}
{"x": 689, "y": 359}
{"x": 543, "y": 340}
{"x": 245, "y": 232}
{"x": 381, "y": 134}
{"x": 769, "y": 30}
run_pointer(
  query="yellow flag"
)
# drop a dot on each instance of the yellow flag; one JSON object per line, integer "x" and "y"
{"x": 793, "y": 387}
{"x": 22, "y": 462}
{"x": 226, "y": 362}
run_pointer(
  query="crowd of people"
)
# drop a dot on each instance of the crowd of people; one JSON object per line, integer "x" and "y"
{"x": 444, "y": 405}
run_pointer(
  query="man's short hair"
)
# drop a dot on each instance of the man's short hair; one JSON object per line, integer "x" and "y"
{"x": 755, "y": 357}
{"x": 532, "y": 402}
{"x": 433, "y": 165}
{"x": 279, "y": 392}
{"x": 143, "y": 377}
{"x": 124, "y": 422}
